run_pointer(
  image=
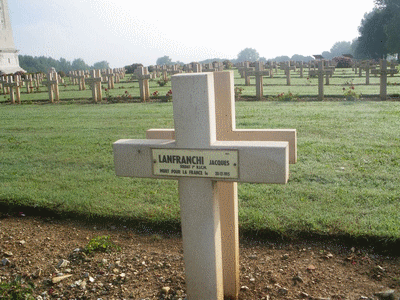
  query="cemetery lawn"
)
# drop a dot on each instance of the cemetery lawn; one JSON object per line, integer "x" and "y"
{"x": 58, "y": 158}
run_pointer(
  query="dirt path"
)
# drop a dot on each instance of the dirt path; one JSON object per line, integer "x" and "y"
{"x": 151, "y": 266}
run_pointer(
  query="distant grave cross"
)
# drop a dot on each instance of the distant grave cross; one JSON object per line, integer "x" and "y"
{"x": 28, "y": 82}
{"x": 110, "y": 78}
{"x": 245, "y": 68}
{"x": 301, "y": 65}
{"x": 226, "y": 131}
{"x": 52, "y": 85}
{"x": 383, "y": 71}
{"x": 393, "y": 69}
{"x": 209, "y": 67}
{"x": 321, "y": 72}
{"x": 14, "y": 86}
{"x": 81, "y": 80}
{"x": 95, "y": 83}
{"x": 287, "y": 68}
{"x": 3, "y": 81}
{"x": 367, "y": 66}
{"x": 259, "y": 73}
{"x": 164, "y": 72}
{"x": 143, "y": 76}
{"x": 200, "y": 162}
{"x": 174, "y": 70}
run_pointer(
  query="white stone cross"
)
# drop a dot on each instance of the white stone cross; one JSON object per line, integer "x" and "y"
{"x": 259, "y": 73}
{"x": 143, "y": 76}
{"x": 110, "y": 78}
{"x": 174, "y": 70}
{"x": 52, "y": 85}
{"x": 226, "y": 131}
{"x": 367, "y": 66}
{"x": 393, "y": 65}
{"x": 14, "y": 88}
{"x": 95, "y": 83}
{"x": 245, "y": 67}
{"x": 321, "y": 72}
{"x": 3, "y": 81}
{"x": 287, "y": 68}
{"x": 200, "y": 163}
{"x": 28, "y": 82}
{"x": 383, "y": 71}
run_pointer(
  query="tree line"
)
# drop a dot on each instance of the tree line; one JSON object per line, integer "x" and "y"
{"x": 43, "y": 64}
{"x": 379, "y": 31}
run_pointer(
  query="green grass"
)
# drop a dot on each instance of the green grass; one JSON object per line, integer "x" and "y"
{"x": 346, "y": 182}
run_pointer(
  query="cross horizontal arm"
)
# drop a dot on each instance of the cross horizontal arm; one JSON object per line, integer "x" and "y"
{"x": 259, "y": 162}
{"x": 278, "y": 135}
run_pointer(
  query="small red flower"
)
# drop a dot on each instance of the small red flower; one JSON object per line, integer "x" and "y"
{"x": 106, "y": 90}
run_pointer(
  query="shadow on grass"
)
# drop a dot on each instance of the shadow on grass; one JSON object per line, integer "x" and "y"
{"x": 374, "y": 244}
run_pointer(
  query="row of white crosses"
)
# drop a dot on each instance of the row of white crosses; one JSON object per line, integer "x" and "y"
{"x": 110, "y": 76}
{"x": 12, "y": 85}
{"x": 30, "y": 81}
{"x": 208, "y": 156}
{"x": 246, "y": 71}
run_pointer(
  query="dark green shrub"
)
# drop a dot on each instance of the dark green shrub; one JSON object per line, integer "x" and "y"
{"x": 343, "y": 62}
{"x": 100, "y": 244}
{"x": 17, "y": 289}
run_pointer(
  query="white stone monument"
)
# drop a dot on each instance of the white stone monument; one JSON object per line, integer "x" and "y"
{"x": 227, "y": 191}
{"x": 198, "y": 161}
{"x": 9, "y": 62}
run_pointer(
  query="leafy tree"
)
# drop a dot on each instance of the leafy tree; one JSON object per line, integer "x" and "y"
{"x": 79, "y": 64}
{"x": 281, "y": 58}
{"x": 43, "y": 64}
{"x": 165, "y": 60}
{"x": 392, "y": 27}
{"x": 101, "y": 65}
{"x": 297, "y": 57}
{"x": 248, "y": 54}
{"x": 340, "y": 48}
{"x": 130, "y": 69}
{"x": 393, "y": 32}
{"x": 64, "y": 65}
{"x": 372, "y": 40}
{"x": 326, "y": 55}
{"x": 392, "y": 4}
{"x": 228, "y": 64}
{"x": 379, "y": 31}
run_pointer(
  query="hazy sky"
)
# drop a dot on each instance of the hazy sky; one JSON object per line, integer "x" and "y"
{"x": 123, "y": 32}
